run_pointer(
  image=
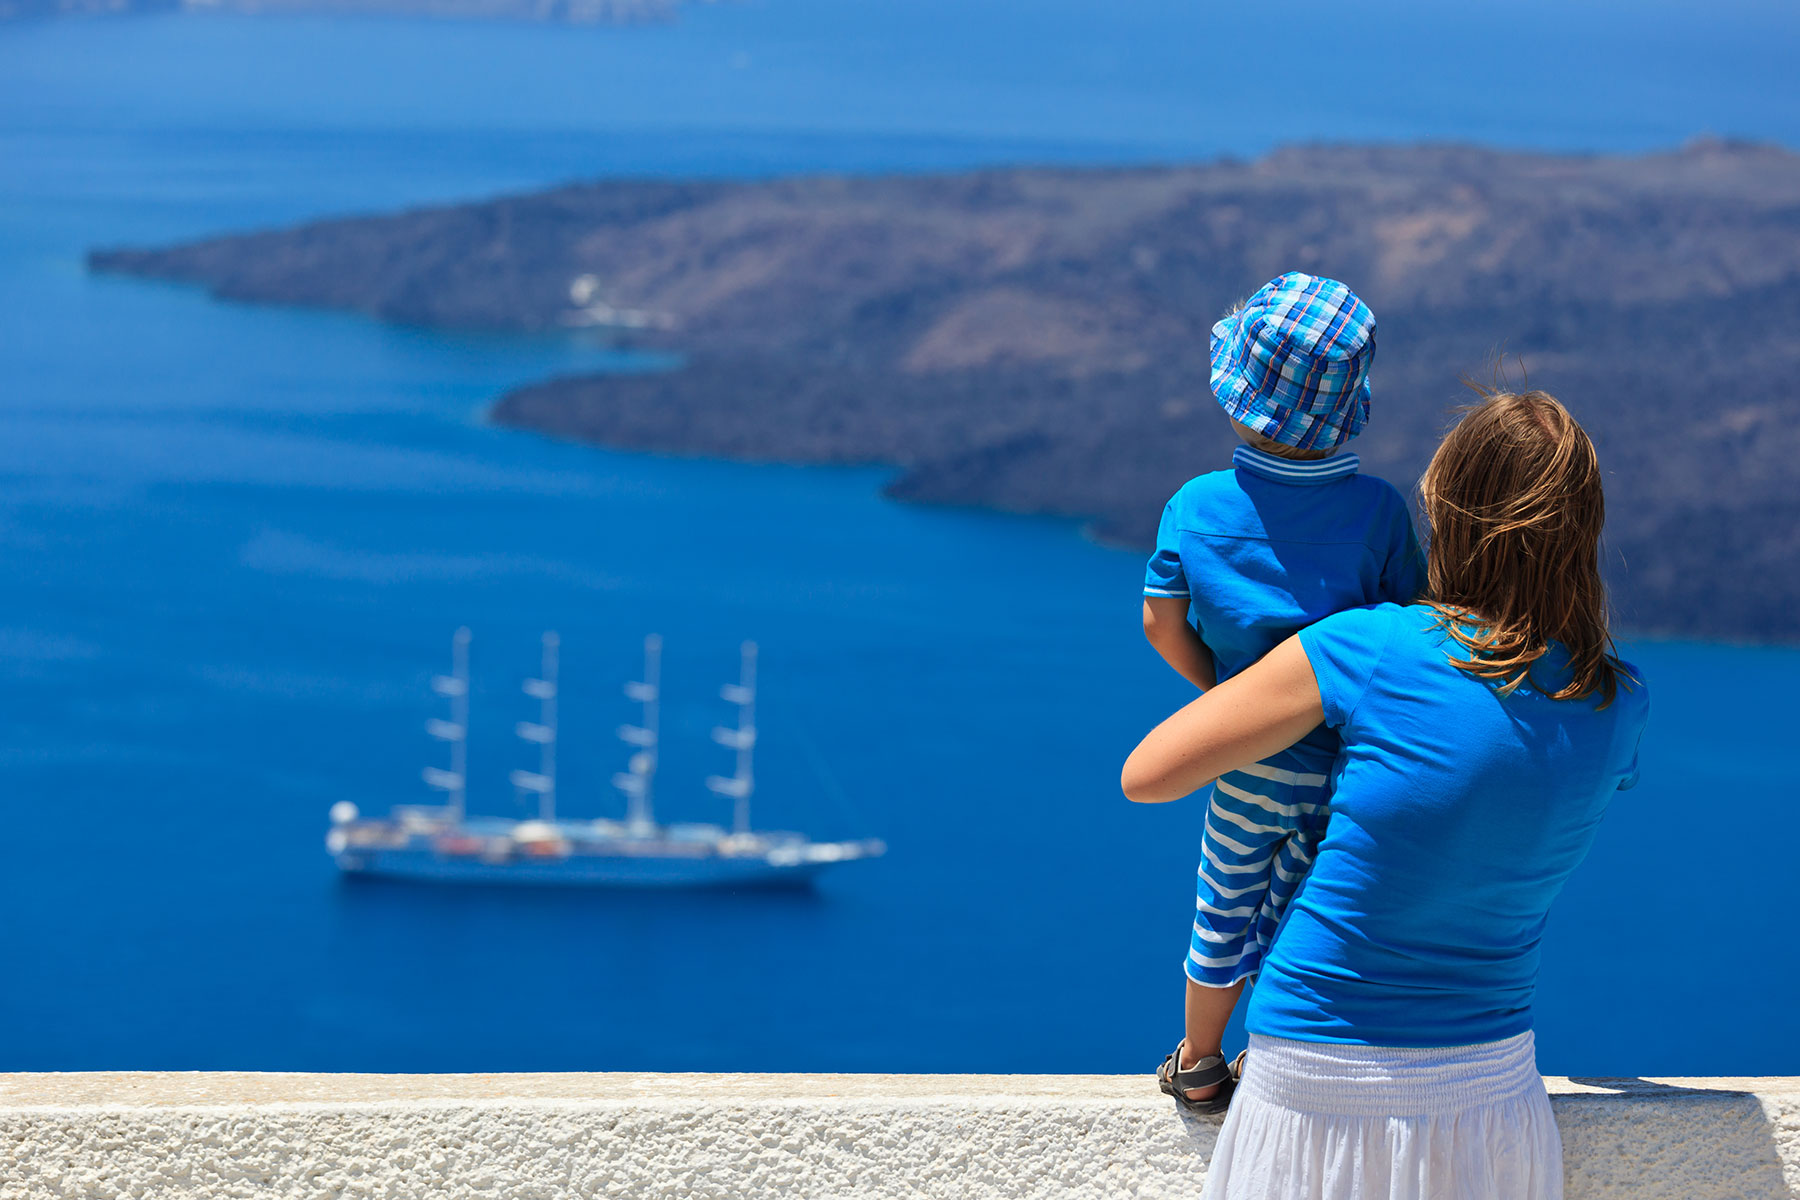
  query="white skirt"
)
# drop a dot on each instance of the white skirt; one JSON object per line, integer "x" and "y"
{"x": 1319, "y": 1121}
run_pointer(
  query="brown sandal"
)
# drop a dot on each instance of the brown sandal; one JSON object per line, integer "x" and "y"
{"x": 1210, "y": 1070}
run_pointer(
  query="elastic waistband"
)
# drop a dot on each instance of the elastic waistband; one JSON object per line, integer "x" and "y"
{"x": 1389, "y": 1081}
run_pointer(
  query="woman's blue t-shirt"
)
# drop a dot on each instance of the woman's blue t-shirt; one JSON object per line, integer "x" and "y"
{"x": 1457, "y": 814}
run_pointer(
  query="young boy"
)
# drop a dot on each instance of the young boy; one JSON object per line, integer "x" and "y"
{"x": 1244, "y": 559}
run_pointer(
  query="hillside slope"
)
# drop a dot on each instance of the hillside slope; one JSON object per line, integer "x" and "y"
{"x": 1036, "y": 340}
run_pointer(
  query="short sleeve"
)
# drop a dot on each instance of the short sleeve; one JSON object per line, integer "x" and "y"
{"x": 1630, "y": 779}
{"x": 1403, "y": 575}
{"x": 1631, "y": 772}
{"x": 1344, "y": 650}
{"x": 1163, "y": 575}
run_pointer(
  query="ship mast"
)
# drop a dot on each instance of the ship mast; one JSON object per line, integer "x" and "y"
{"x": 636, "y": 780}
{"x": 739, "y": 785}
{"x": 454, "y": 687}
{"x": 543, "y": 733}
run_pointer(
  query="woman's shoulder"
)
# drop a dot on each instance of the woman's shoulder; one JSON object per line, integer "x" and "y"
{"x": 1347, "y": 649}
{"x": 1415, "y": 638}
{"x": 1410, "y": 641}
{"x": 1387, "y": 618}
{"x": 1632, "y": 691}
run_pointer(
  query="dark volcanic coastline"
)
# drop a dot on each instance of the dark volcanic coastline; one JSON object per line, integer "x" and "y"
{"x": 1036, "y": 340}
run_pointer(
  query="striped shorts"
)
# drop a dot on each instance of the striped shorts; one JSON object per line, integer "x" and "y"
{"x": 1263, "y": 827}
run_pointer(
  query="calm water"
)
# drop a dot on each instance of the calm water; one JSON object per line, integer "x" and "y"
{"x": 234, "y": 541}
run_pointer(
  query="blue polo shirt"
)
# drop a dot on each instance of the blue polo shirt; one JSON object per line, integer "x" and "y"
{"x": 1457, "y": 814}
{"x": 1267, "y": 548}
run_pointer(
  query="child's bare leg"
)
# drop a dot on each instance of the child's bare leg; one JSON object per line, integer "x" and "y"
{"x": 1208, "y": 1009}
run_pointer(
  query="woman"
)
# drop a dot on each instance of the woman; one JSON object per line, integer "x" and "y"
{"x": 1484, "y": 733}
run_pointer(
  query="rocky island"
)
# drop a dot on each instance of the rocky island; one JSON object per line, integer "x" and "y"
{"x": 1035, "y": 340}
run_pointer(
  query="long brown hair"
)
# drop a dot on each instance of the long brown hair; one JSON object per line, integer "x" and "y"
{"x": 1514, "y": 501}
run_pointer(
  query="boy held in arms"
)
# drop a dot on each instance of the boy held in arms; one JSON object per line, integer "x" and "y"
{"x": 1244, "y": 559}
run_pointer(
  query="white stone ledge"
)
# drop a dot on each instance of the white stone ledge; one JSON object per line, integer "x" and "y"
{"x": 742, "y": 1137}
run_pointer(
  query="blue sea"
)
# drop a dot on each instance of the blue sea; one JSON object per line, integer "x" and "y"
{"x": 234, "y": 543}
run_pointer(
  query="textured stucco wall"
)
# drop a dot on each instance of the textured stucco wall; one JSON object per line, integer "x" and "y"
{"x": 523, "y": 1137}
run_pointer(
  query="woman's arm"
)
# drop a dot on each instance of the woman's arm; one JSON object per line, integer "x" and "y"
{"x": 1268, "y": 707}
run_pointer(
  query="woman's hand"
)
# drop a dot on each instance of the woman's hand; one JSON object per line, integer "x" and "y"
{"x": 1266, "y": 708}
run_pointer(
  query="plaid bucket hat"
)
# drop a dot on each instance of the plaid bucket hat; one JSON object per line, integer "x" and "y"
{"x": 1293, "y": 363}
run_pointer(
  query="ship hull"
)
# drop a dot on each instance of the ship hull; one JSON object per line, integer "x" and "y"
{"x": 585, "y": 870}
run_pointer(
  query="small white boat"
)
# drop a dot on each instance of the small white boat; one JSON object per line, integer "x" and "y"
{"x": 444, "y": 844}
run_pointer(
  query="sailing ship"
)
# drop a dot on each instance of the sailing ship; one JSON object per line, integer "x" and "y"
{"x": 445, "y": 843}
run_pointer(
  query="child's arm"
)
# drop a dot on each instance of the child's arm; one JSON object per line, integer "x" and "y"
{"x": 1166, "y": 625}
{"x": 1166, "y": 606}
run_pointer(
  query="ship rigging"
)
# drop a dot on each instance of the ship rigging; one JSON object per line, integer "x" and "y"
{"x": 444, "y": 843}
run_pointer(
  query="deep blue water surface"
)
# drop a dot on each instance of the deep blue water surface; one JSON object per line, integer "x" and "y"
{"x": 234, "y": 542}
